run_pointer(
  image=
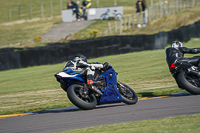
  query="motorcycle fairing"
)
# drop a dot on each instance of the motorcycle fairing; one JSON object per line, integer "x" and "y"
{"x": 110, "y": 92}
{"x": 70, "y": 71}
{"x": 69, "y": 76}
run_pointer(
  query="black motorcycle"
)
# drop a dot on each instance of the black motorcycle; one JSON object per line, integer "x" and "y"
{"x": 187, "y": 76}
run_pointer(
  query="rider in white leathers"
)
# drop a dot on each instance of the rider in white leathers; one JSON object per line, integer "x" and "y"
{"x": 80, "y": 65}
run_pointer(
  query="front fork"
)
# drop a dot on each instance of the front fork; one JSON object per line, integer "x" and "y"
{"x": 119, "y": 86}
{"x": 84, "y": 92}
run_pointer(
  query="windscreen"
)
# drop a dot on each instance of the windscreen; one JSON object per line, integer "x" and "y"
{"x": 69, "y": 64}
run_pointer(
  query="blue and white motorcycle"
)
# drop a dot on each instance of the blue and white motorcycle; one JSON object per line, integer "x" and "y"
{"x": 75, "y": 84}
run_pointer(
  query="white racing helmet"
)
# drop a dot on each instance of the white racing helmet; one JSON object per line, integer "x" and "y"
{"x": 80, "y": 57}
{"x": 176, "y": 44}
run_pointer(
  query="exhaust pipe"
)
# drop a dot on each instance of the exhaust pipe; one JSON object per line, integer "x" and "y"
{"x": 93, "y": 88}
{"x": 194, "y": 72}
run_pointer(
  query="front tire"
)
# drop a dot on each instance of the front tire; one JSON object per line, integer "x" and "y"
{"x": 189, "y": 82}
{"x": 76, "y": 94}
{"x": 128, "y": 95}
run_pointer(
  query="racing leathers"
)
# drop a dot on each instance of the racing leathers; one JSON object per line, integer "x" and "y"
{"x": 174, "y": 55}
{"x": 83, "y": 67}
{"x": 177, "y": 54}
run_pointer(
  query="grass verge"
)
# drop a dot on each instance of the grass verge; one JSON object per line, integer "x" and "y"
{"x": 24, "y": 32}
{"x": 179, "y": 124}
{"x": 35, "y": 88}
{"x": 22, "y": 7}
{"x": 166, "y": 23}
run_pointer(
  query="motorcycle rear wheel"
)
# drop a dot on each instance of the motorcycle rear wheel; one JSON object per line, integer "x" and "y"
{"x": 189, "y": 82}
{"x": 79, "y": 98}
{"x": 128, "y": 95}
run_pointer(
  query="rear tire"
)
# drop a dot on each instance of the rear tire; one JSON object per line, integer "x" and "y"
{"x": 80, "y": 99}
{"x": 189, "y": 82}
{"x": 128, "y": 95}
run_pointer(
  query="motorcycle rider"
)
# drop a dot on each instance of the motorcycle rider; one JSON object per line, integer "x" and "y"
{"x": 175, "y": 54}
{"x": 80, "y": 65}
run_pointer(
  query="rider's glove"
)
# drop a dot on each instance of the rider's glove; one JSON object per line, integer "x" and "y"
{"x": 196, "y": 50}
{"x": 92, "y": 67}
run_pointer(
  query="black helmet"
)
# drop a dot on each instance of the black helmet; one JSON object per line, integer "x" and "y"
{"x": 80, "y": 57}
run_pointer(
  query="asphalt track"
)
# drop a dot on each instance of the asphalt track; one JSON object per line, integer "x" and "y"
{"x": 64, "y": 119}
{"x": 65, "y": 29}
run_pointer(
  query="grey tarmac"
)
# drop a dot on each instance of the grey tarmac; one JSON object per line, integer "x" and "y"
{"x": 65, "y": 29}
{"x": 64, "y": 119}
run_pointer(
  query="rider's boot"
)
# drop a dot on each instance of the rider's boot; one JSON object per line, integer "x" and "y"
{"x": 92, "y": 84}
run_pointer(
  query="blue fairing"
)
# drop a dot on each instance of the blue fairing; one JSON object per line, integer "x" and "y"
{"x": 73, "y": 79}
{"x": 111, "y": 94}
{"x": 70, "y": 71}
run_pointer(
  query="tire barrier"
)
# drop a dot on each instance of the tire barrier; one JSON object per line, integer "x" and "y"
{"x": 11, "y": 58}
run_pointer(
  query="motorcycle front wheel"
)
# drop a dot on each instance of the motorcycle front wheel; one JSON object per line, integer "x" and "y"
{"x": 128, "y": 95}
{"x": 81, "y": 98}
{"x": 189, "y": 82}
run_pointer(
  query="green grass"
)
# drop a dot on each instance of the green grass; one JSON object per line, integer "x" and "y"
{"x": 179, "y": 124}
{"x": 22, "y": 33}
{"x": 35, "y": 88}
{"x": 36, "y": 7}
{"x": 25, "y": 32}
{"x": 166, "y": 23}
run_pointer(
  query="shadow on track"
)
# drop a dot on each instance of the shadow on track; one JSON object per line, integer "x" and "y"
{"x": 74, "y": 108}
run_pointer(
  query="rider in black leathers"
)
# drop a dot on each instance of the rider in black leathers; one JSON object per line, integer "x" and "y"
{"x": 176, "y": 53}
